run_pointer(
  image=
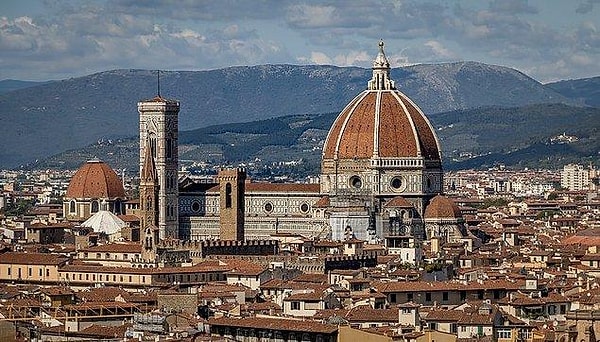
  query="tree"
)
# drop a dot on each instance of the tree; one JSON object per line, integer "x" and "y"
{"x": 19, "y": 208}
{"x": 494, "y": 202}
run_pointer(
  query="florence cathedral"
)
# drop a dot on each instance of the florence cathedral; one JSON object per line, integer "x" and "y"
{"x": 381, "y": 180}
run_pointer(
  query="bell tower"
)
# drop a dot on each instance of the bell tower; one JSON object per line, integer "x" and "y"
{"x": 159, "y": 134}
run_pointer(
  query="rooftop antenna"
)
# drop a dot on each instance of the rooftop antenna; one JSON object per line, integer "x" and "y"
{"x": 158, "y": 82}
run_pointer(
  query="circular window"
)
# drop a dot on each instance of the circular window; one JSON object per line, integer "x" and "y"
{"x": 195, "y": 206}
{"x": 355, "y": 182}
{"x": 403, "y": 230}
{"x": 304, "y": 208}
{"x": 268, "y": 207}
{"x": 396, "y": 183}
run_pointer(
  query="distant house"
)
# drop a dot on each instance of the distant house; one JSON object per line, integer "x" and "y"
{"x": 304, "y": 304}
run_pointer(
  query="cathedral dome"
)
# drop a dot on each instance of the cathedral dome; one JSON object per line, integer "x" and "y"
{"x": 442, "y": 207}
{"x": 381, "y": 122}
{"x": 95, "y": 179}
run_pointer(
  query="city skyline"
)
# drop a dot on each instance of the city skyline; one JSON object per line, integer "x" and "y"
{"x": 42, "y": 40}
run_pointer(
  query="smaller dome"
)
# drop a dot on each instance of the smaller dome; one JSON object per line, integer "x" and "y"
{"x": 442, "y": 207}
{"x": 399, "y": 202}
{"x": 95, "y": 179}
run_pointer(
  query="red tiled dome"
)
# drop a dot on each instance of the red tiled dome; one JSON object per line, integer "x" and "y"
{"x": 95, "y": 179}
{"x": 399, "y": 202}
{"x": 442, "y": 207}
{"x": 381, "y": 122}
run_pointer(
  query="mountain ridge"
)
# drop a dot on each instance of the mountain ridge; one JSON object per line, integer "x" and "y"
{"x": 103, "y": 105}
{"x": 586, "y": 90}
{"x": 472, "y": 138}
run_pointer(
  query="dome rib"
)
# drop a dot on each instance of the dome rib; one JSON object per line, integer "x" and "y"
{"x": 336, "y": 127}
{"x": 377, "y": 125}
{"x": 411, "y": 122}
{"x": 357, "y": 136}
{"x": 430, "y": 137}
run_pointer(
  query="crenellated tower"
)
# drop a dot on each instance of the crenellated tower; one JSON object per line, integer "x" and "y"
{"x": 232, "y": 207}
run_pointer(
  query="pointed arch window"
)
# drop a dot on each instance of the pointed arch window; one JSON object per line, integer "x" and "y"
{"x": 72, "y": 207}
{"x": 169, "y": 147}
{"x": 153, "y": 144}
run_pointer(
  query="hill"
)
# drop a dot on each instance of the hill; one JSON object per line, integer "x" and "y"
{"x": 10, "y": 85}
{"x": 544, "y": 135}
{"x": 585, "y": 90}
{"x": 50, "y": 118}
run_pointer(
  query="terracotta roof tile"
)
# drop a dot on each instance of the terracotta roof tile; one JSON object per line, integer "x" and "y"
{"x": 104, "y": 331}
{"x": 95, "y": 179}
{"x": 402, "y": 130}
{"x": 32, "y": 258}
{"x": 323, "y": 202}
{"x": 367, "y": 314}
{"x": 307, "y": 297}
{"x": 399, "y": 202}
{"x": 444, "y": 315}
{"x": 442, "y": 207}
{"x": 102, "y": 294}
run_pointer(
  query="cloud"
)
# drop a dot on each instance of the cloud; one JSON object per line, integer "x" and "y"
{"x": 90, "y": 41}
{"x": 512, "y": 7}
{"x": 587, "y": 38}
{"x": 402, "y": 20}
{"x": 586, "y": 7}
{"x": 316, "y": 57}
{"x": 75, "y": 37}
{"x": 354, "y": 58}
{"x": 439, "y": 50}
{"x": 207, "y": 10}
{"x": 315, "y": 16}
{"x": 502, "y": 35}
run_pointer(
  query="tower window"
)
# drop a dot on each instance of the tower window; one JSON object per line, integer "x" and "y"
{"x": 153, "y": 144}
{"x": 169, "y": 147}
{"x": 228, "y": 195}
{"x": 72, "y": 206}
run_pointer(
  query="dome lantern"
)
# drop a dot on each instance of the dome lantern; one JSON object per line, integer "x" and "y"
{"x": 381, "y": 72}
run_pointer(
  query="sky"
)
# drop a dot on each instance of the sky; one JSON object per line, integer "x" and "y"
{"x": 548, "y": 40}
